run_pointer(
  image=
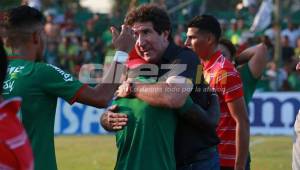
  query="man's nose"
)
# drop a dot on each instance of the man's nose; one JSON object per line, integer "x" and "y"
{"x": 141, "y": 41}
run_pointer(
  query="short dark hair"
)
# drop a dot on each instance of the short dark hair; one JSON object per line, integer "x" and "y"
{"x": 21, "y": 21}
{"x": 150, "y": 13}
{"x": 207, "y": 23}
{"x": 229, "y": 45}
{"x": 25, "y": 16}
{"x": 3, "y": 65}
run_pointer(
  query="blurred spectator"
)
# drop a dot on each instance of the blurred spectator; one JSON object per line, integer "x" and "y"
{"x": 90, "y": 33}
{"x": 51, "y": 56}
{"x": 70, "y": 29}
{"x": 67, "y": 52}
{"x": 236, "y": 30}
{"x": 271, "y": 75}
{"x": 271, "y": 32}
{"x": 33, "y": 3}
{"x": 51, "y": 29}
{"x": 86, "y": 53}
{"x": 278, "y": 77}
{"x": 232, "y": 33}
{"x": 294, "y": 79}
{"x": 287, "y": 52}
{"x": 66, "y": 27}
{"x": 291, "y": 32}
{"x": 180, "y": 35}
{"x": 297, "y": 49}
{"x": 284, "y": 73}
{"x": 178, "y": 40}
{"x": 98, "y": 49}
{"x": 94, "y": 28}
{"x": 265, "y": 39}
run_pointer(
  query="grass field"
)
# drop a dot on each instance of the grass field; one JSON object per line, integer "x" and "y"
{"x": 99, "y": 152}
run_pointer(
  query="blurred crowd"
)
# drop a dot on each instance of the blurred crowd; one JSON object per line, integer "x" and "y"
{"x": 76, "y": 38}
{"x": 279, "y": 75}
{"x": 71, "y": 45}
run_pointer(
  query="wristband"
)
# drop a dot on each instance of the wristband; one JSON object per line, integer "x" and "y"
{"x": 121, "y": 56}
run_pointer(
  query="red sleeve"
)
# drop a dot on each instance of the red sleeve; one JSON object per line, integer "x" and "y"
{"x": 230, "y": 84}
{"x": 77, "y": 94}
{"x": 20, "y": 147}
{"x": 15, "y": 144}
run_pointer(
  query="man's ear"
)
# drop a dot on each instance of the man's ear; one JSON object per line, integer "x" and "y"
{"x": 166, "y": 35}
{"x": 35, "y": 37}
{"x": 211, "y": 39}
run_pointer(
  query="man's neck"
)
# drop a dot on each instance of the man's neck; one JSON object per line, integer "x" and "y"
{"x": 24, "y": 54}
{"x": 166, "y": 45}
{"x": 206, "y": 59}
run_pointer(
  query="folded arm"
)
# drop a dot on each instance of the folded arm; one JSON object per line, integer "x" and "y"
{"x": 201, "y": 118}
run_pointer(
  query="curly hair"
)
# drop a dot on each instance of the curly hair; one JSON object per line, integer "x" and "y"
{"x": 150, "y": 13}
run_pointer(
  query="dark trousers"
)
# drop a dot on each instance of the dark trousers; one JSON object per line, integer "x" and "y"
{"x": 208, "y": 164}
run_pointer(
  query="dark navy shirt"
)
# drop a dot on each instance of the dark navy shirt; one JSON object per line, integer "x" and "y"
{"x": 189, "y": 140}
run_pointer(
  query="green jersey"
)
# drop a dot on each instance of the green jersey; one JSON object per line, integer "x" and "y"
{"x": 39, "y": 85}
{"x": 249, "y": 82}
{"x": 147, "y": 142}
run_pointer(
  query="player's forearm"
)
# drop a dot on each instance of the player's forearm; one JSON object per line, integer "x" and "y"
{"x": 242, "y": 144}
{"x": 200, "y": 118}
{"x": 162, "y": 94}
{"x": 257, "y": 50}
{"x": 100, "y": 95}
{"x": 104, "y": 93}
{"x": 110, "y": 83}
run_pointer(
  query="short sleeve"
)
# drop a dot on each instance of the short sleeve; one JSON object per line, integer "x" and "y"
{"x": 228, "y": 82}
{"x": 59, "y": 83}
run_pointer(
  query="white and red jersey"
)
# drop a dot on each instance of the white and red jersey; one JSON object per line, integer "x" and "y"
{"x": 225, "y": 79}
{"x": 15, "y": 150}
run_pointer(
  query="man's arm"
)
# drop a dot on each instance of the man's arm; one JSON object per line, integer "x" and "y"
{"x": 100, "y": 95}
{"x": 200, "y": 118}
{"x": 169, "y": 95}
{"x": 238, "y": 111}
{"x": 256, "y": 57}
